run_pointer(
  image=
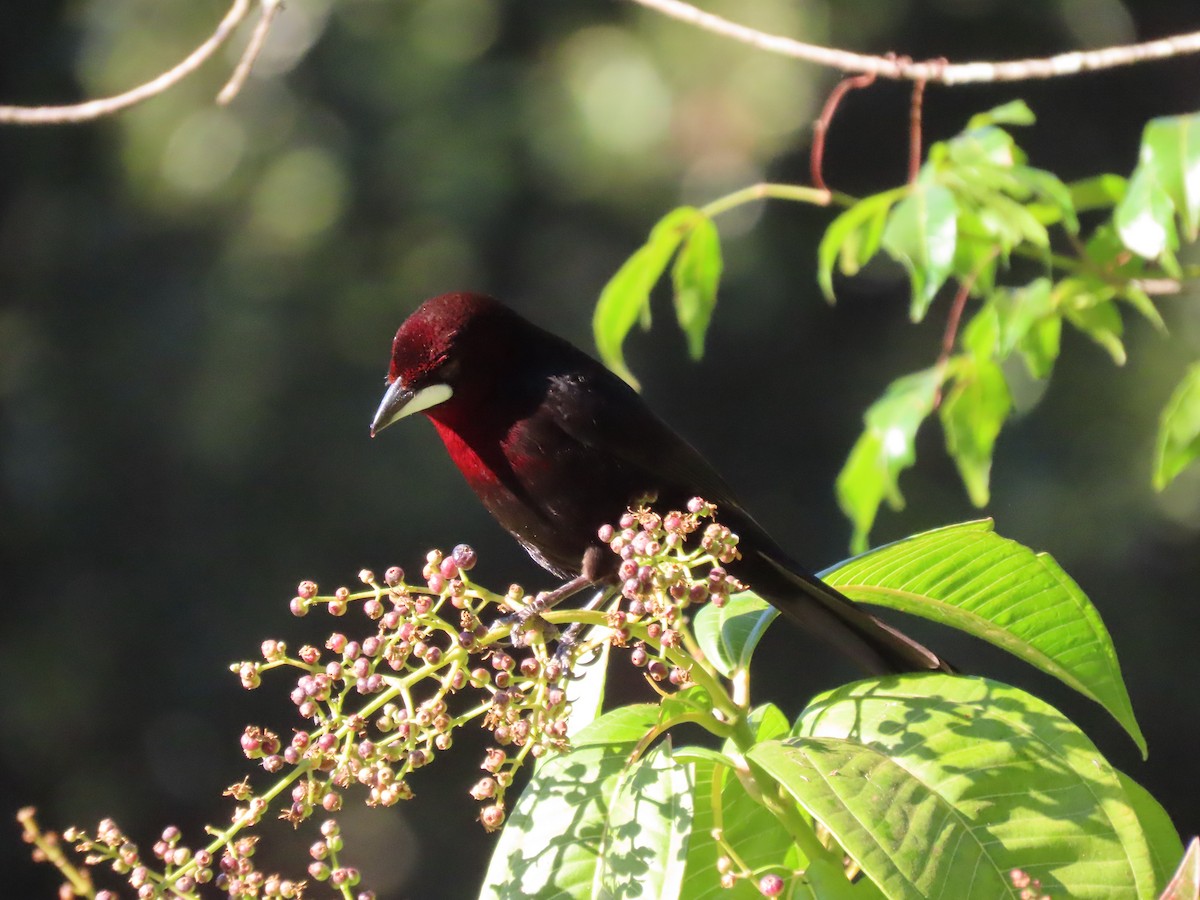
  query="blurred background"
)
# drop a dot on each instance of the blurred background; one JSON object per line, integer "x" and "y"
{"x": 196, "y": 307}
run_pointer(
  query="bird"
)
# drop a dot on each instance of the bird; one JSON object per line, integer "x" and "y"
{"x": 554, "y": 444}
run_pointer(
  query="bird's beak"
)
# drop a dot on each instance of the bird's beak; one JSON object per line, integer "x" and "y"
{"x": 400, "y": 400}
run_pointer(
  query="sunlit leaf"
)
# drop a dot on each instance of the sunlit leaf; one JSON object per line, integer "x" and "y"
{"x": 970, "y": 578}
{"x": 753, "y": 831}
{"x": 1171, "y": 149}
{"x": 643, "y": 846}
{"x": 696, "y": 274}
{"x": 972, "y": 412}
{"x": 982, "y": 149}
{"x": 921, "y": 233}
{"x": 1145, "y": 217}
{"x": 626, "y": 297}
{"x": 1101, "y": 321}
{"x": 728, "y": 634}
{"x": 550, "y": 846}
{"x": 1039, "y": 346}
{"x": 942, "y": 786}
{"x": 1014, "y": 112}
{"x": 1178, "y": 442}
{"x": 871, "y": 473}
{"x": 1019, "y": 309}
{"x": 1051, "y": 189}
{"x": 1144, "y": 304}
{"x": 1163, "y": 840}
{"x": 1098, "y": 192}
{"x": 853, "y": 238}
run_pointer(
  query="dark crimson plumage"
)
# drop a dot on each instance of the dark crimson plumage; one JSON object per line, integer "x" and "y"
{"x": 555, "y": 445}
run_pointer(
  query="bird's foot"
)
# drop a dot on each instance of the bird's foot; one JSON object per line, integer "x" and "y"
{"x": 544, "y": 602}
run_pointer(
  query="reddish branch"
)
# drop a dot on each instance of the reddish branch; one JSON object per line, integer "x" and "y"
{"x": 821, "y": 126}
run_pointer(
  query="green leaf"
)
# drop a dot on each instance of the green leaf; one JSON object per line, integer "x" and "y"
{"x": 981, "y": 337}
{"x": 728, "y": 634}
{"x": 853, "y": 237}
{"x": 1039, "y": 346}
{"x": 941, "y": 786}
{"x": 745, "y": 824}
{"x": 970, "y": 578}
{"x": 872, "y": 472}
{"x": 984, "y": 155}
{"x": 1051, "y": 189}
{"x": 920, "y": 234}
{"x": 1019, "y": 309}
{"x": 1178, "y": 441}
{"x": 1098, "y": 192}
{"x": 696, "y": 273}
{"x": 972, "y": 413}
{"x": 1161, "y": 836}
{"x": 626, "y": 297}
{"x": 1144, "y": 218}
{"x": 1171, "y": 148}
{"x": 1101, "y": 322}
{"x": 1185, "y": 885}
{"x": 1144, "y": 304}
{"x": 1014, "y": 112}
{"x": 550, "y": 846}
{"x": 644, "y": 844}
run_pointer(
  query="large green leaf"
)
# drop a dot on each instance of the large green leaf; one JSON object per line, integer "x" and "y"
{"x": 1171, "y": 148}
{"x": 921, "y": 233}
{"x": 942, "y": 786}
{"x": 550, "y": 846}
{"x": 969, "y": 577}
{"x": 745, "y": 824}
{"x": 885, "y": 448}
{"x": 626, "y": 297}
{"x": 1178, "y": 430}
{"x": 696, "y": 274}
{"x": 1161, "y": 836}
{"x": 643, "y": 850}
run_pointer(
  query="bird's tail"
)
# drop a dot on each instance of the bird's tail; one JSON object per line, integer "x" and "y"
{"x": 831, "y": 616}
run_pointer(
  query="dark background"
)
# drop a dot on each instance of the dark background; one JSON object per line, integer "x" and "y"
{"x": 196, "y": 306}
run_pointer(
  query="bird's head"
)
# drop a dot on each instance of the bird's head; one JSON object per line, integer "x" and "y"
{"x": 432, "y": 348}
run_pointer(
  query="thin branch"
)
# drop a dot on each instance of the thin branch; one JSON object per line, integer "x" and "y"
{"x": 270, "y": 9}
{"x": 905, "y": 70}
{"x": 816, "y": 157}
{"x": 950, "y": 335}
{"x": 106, "y": 106}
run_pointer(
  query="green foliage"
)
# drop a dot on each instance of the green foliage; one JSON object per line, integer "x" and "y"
{"x": 975, "y": 209}
{"x": 935, "y": 781}
{"x": 1179, "y": 430}
{"x": 976, "y": 206}
{"x": 930, "y": 784}
{"x": 626, "y": 298}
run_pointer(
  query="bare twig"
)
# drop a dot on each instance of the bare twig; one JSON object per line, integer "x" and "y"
{"x": 106, "y": 106}
{"x": 955, "y": 318}
{"x": 821, "y": 126}
{"x": 914, "y": 124}
{"x": 270, "y": 9}
{"x": 955, "y": 73}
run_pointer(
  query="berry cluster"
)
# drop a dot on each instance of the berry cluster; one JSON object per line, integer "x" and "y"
{"x": 661, "y": 576}
{"x": 380, "y": 706}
